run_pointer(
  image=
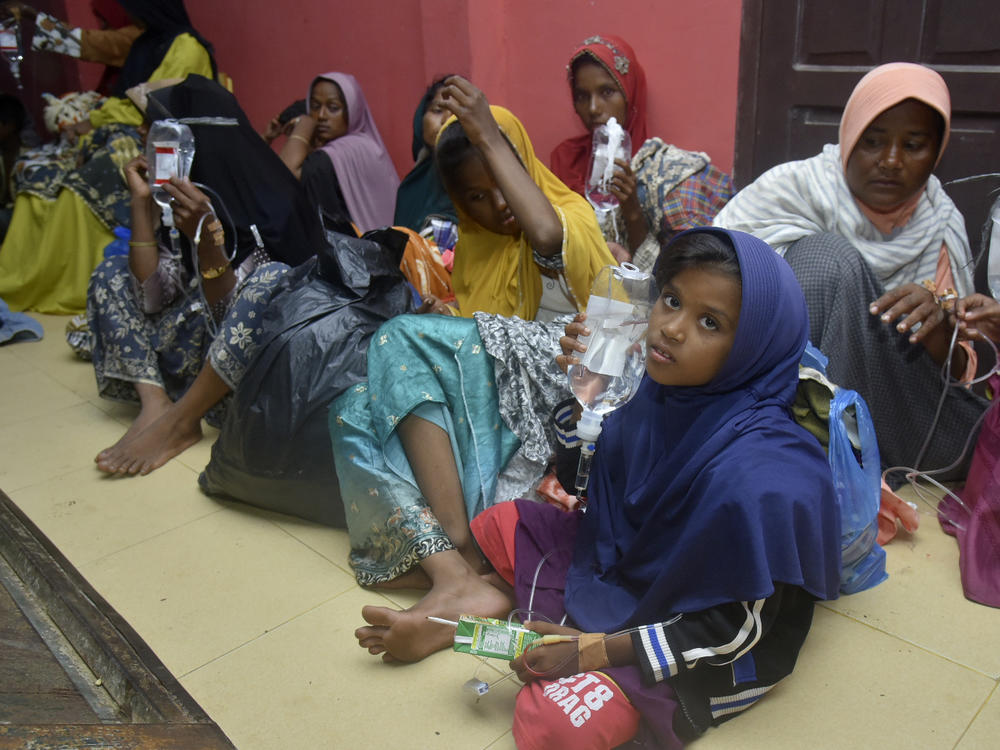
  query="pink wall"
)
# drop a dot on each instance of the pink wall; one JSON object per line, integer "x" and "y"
{"x": 515, "y": 50}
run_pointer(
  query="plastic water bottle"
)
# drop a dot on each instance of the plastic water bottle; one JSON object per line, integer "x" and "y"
{"x": 170, "y": 152}
{"x": 993, "y": 262}
{"x": 610, "y": 141}
{"x": 610, "y": 370}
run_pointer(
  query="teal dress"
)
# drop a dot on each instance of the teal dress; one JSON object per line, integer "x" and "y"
{"x": 490, "y": 383}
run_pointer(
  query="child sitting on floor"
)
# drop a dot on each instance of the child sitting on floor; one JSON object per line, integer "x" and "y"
{"x": 711, "y": 529}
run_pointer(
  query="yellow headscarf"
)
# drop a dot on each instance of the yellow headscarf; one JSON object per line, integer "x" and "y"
{"x": 496, "y": 273}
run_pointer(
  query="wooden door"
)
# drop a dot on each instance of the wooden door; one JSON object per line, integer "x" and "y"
{"x": 800, "y": 60}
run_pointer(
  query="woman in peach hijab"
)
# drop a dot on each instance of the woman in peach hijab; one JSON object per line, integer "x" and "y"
{"x": 880, "y": 250}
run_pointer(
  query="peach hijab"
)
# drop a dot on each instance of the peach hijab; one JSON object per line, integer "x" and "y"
{"x": 883, "y": 88}
{"x": 801, "y": 198}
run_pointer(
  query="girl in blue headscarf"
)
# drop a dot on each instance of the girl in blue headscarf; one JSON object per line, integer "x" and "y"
{"x": 687, "y": 588}
{"x": 711, "y": 528}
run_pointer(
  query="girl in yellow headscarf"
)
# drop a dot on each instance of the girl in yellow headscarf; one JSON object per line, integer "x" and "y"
{"x": 527, "y": 245}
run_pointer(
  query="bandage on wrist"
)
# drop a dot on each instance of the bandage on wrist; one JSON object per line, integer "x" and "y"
{"x": 218, "y": 234}
{"x": 593, "y": 654}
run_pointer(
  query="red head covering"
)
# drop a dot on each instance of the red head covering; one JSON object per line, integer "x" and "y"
{"x": 570, "y": 158}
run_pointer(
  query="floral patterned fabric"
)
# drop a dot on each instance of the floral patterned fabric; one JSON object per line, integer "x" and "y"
{"x": 169, "y": 348}
{"x": 99, "y": 181}
{"x": 489, "y": 383}
{"x": 677, "y": 190}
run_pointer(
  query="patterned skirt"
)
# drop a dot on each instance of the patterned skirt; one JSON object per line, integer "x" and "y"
{"x": 437, "y": 368}
{"x": 169, "y": 348}
{"x": 899, "y": 381}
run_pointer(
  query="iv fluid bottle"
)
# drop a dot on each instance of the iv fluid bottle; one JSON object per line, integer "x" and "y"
{"x": 610, "y": 141}
{"x": 610, "y": 370}
{"x": 993, "y": 261}
{"x": 169, "y": 151}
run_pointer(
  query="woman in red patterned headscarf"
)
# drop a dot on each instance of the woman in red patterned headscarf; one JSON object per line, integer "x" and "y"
{"x": 664, "y": 189}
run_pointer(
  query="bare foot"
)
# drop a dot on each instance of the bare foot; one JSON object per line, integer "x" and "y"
{"x": 167, "y": 436}
{"x": 152, "y": 409}
{"x": 409, "y": 636}
{"x": 414, "y": 578}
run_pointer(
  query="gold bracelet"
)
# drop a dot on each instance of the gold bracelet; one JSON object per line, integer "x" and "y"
{"x": 298, "y": 137}
{"x": 593, "y": 654}
{"x": 142, "y": 243}
{"x": 214, "y": 273}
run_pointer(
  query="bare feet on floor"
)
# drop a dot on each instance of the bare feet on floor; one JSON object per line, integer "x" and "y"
{"x": 414, "y": 578}
{"x": 152, "y": 409}
{"x": 407, "y": 635}
{"x": 148, "y": 448}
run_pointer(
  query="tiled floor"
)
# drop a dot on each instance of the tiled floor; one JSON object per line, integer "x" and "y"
{"x": 254, "y": 612}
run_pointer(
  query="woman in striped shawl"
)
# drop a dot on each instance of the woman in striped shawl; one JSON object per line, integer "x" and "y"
{"x": 878, "y": 248}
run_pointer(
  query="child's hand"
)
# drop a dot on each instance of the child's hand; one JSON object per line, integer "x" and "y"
{"x": 570, "y": 342}
{"x": 432, "y": 304}
{"x": 978, "y": 316}
{"x": 469, "y": 105}
{"x": 551, "y": 661}
{"x": 136, "y": 172}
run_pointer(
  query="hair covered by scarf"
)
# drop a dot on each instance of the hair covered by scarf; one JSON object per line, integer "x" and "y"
{"x": 883, "y": 88}
{"x": 497, "y": 273}
{"x": 705, "y": 495}
{"x": 570, "y": 158}
{"x": 801, "y": 198}
{"x": 165, "y": 20}
{"x": 365, "y": 172}
{"x": 421, "y": 193}
{"x": 233, "y": 160}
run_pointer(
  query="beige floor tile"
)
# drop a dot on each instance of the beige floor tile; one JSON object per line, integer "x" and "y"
{"x": 72, "y": 372}
{"x": 36, "y": 450}
{"x": 90, "y": 516}
{"x": 31, "y": 394}
{"x": 198, "y": 455}
{"x": 200, "y": 590}
{"x": 984, "y": 734}
{"x": 922, "y": 602}
{"x": 10, "y": 363}
{"x": 333, "y": 544}
{"x": 52, "y": 353}
{"x": 504, "y": 743}
{"x": 855, "y": 687}
{"x": 308, "y": 684}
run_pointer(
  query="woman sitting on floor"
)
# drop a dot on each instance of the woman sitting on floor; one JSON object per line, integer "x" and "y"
{"x": 175, "y": 327}
{"x": 63, "y": 220}
{"x": 337, "y": 152}
{"x": 877, "y": 244}
{"x": 527, "y": 245}
{"x": 705, "y": 463}
{"x": 421, "y": 196}
{"x": 665, "y": 189}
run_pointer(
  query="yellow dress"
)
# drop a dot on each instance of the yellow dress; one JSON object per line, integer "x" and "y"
{"x": 496, "y": 273}
{"x": 52, "y": 247}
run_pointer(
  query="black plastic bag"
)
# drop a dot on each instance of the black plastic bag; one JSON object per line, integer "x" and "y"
{"x": 274, "y": 449}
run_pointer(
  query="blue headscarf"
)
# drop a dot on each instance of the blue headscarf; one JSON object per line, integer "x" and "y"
{"x": 705, "y": 495}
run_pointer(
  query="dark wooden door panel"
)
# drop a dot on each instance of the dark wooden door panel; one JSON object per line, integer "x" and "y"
{"x": 800, "y": 60}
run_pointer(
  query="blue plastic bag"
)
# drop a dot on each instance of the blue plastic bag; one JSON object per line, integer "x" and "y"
{"x": 119, "y": 245}
{"x": 858, "y": 488}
